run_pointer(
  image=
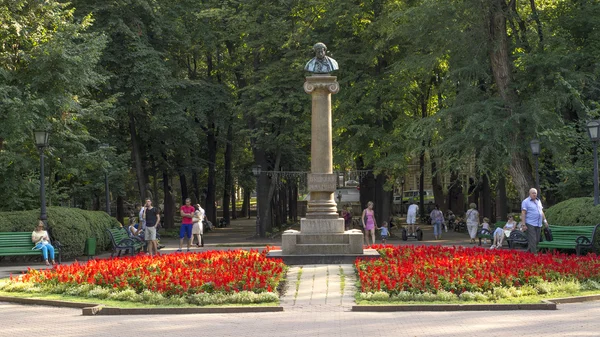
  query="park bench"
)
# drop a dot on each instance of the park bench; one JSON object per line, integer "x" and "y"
{"x": 122, "y": 242}
{"x": 516, "y": 236}
{"x": 19, "y": 244}
{"x": 483, "y": 233}
{"x": 579, "y": 238}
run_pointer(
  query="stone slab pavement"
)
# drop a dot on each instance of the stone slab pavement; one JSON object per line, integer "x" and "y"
{"x": 570, "y": 320}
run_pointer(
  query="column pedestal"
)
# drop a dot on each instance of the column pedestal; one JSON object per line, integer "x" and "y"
{"x": 322, "y": 231}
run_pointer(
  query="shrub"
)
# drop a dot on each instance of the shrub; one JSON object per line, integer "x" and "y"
{"x": 70, "y": 226}
{"x": 574, "y": 212}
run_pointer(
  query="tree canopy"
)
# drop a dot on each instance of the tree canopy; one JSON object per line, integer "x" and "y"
{"x": 190, "y": 94}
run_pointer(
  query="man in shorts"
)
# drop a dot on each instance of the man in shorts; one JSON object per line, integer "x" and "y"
{"x": 411, "y": 218}
{"x": 152, "y": 217}
{"x": 187, "y": 213}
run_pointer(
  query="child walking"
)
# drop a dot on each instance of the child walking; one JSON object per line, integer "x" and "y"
{"x": 486, "y": 225}
{"x": 384, "y": 232}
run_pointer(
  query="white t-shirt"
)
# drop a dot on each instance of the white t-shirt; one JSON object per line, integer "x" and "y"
{"x": 486, "y": 226}
{"x": 200, "y": 214}
{"x": 142, "y": 220}
{"x": 36, "y": 237}
{"x": 412, "y": 209}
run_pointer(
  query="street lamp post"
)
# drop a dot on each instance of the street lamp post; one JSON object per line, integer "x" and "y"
{"x": 256, "y": 170}
{"x": 106, "y": 189}
{"x": 535, "y": 150}
{"x": 593, "y": 128}
{"x": 41, "y": 141}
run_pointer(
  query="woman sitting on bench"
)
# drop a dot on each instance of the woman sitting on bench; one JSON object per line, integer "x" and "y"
{"x": 42, "y": 242}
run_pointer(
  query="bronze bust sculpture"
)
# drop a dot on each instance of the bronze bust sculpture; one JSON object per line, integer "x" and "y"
{"x": 321, "y": 63}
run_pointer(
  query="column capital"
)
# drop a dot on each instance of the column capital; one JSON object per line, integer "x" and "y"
{"x": 321, "y": 82}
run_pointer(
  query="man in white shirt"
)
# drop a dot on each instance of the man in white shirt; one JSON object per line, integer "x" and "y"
{"x": 411, "y": 217}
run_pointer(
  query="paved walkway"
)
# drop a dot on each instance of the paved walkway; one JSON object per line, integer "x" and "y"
{"x": 570, "y": 320}
{"x": 319, "y": 288}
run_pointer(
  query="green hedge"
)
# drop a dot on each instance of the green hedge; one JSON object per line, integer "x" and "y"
{"x": 574, "y": 212}
{"x": 70, "y": 226}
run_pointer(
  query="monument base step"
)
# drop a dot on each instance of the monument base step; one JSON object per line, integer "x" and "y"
{"x": 307, "y": 259}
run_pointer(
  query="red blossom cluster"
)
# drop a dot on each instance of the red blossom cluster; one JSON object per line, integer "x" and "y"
{"x": 172, "y": 274}
{"x": 460, "y": 269}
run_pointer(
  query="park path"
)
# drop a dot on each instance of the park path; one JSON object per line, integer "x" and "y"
{"x": 320, "y": 288}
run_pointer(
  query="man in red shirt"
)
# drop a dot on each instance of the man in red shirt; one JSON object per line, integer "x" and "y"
{"x": 187, "y": 213}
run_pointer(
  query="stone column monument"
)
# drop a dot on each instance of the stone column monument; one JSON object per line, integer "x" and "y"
{"x": 322, "y": 231}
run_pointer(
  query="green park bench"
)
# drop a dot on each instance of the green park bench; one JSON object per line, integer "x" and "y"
{"x": 19, "y": 244}
{"x": 579, "y": 238}
{"x": 122, "y": 242}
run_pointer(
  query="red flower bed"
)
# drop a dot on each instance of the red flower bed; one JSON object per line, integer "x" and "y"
{"x": 172, "y": 274}
{"x": 459, "y": 269}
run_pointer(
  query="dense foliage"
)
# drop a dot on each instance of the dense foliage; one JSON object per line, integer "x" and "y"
{"x": 190, "y": 94}
{"x": 573, "y": 212}
{"x": 70, "y": 226}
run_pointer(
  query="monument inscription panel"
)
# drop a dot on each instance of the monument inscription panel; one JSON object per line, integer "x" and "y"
{"x": 321, "y": 182}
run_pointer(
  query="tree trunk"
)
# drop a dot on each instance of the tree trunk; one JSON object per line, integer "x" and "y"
{"x": 246, "y": 203}
{"x": 169, "y": 204}
{"x": 211, "y": 209}
{"x": 96, "y": 204}
{"x": 228, "y": 180}
{"x": 233, "y": 201}
{"x": 486, "y": 198}
{"x": 456, "y": 198}
{"x": 520, "y": 168}
{"x": 367, "y": 185}
{"x": 196, "y": 197}
{"x": 137, "y": 158}
{"x": 422, "y": 184}
{"x": 184, "y": 188}
{"x": 283, "y": 202}
{"x": 120, "y": 209}
{"x": 272, "y": 185}
{"x": 438, "y": 190}
{"x": 501, "y": 200}
{"x": 383, "y": 200}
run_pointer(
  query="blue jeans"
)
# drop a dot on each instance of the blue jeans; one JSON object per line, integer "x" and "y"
{"x": 45, "y": 248}
{"x": 437, "y": 228}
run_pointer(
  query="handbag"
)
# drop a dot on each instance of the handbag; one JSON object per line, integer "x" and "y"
{"x": 548, "y": 234}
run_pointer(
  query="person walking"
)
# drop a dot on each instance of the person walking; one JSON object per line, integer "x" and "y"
{"x": 369, "y": 223}
{"x": 152, "y": 217}
{"x": 532, "y": 217}
{"x": 411, "y": 217}
{"x": 437, "y": 220}
{"x": 187, "y": 214}
{"x": 42, "y": 242}
{"x": 472, "y": 221}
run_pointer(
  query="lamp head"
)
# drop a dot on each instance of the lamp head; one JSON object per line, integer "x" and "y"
{"x": 593, "y": 128}
{"x": 535, "y": 147}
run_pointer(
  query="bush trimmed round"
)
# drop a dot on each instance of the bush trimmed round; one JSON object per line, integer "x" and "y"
{"x": 70, "y": 226}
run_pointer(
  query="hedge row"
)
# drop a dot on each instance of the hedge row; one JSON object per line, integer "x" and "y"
{"x": 70, "y": 226}
{"x": 574, "y": 212}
